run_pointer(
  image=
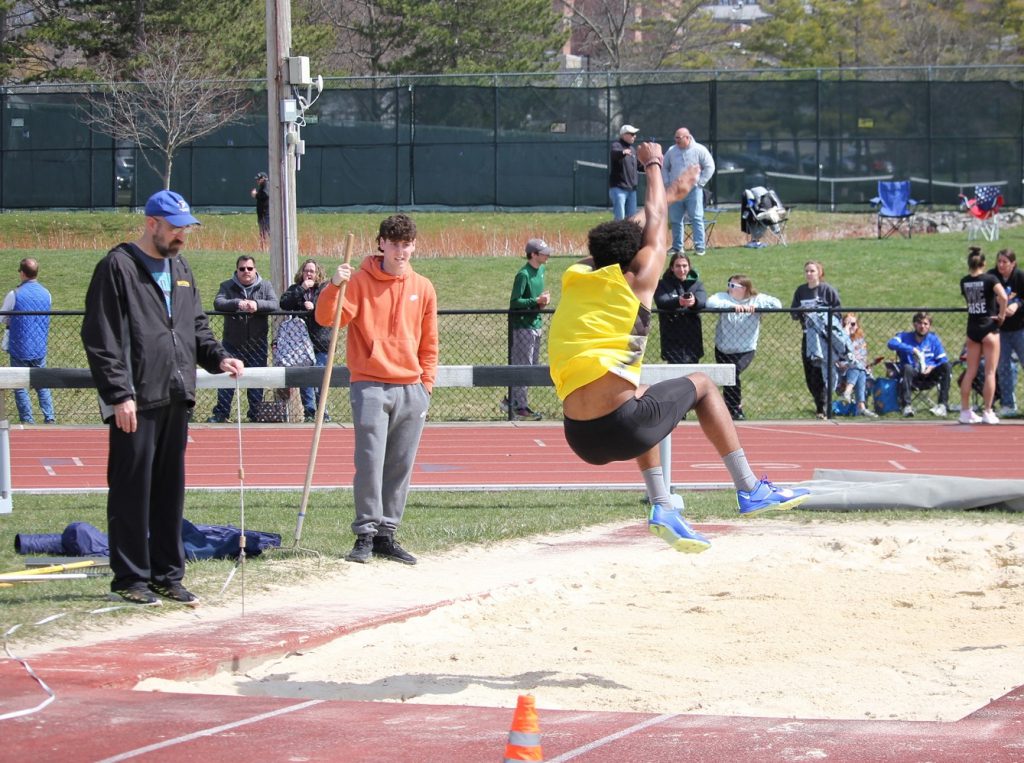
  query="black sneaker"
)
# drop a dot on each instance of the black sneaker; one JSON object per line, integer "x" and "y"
{"x": 135, "y": 594}
{"x": 387, "y": 547}
{"x": 528, "y": 414}
{"x": 216, "y": 420}
{"x": 362, "y": 550}
{"x": 175, "y": 592}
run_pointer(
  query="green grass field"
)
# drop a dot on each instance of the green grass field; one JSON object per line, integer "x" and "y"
{"x": 896, "y": 273}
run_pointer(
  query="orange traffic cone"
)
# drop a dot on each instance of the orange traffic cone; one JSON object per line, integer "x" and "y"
{"x": 524, "y": 738}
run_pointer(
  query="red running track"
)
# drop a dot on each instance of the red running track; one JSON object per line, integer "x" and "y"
{"x": 530, "y": 455}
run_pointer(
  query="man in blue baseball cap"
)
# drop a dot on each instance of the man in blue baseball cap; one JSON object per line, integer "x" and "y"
{"x": 144, "y": 330}
{"x": 172, "y": 207}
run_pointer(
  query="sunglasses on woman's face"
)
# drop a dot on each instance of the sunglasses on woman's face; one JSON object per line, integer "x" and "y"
{"x": 735, "y": 285}
{"x": 850, "y": 324}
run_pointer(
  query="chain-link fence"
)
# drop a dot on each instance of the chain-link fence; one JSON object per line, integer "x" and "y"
{"x": 773, "y": 386}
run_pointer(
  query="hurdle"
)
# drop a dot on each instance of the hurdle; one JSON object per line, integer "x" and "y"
{"x": 722, "y": 374}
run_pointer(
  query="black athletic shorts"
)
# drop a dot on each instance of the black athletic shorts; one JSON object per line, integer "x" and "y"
{"x": 977, "y": 331}
{"x": 635, "y": 427}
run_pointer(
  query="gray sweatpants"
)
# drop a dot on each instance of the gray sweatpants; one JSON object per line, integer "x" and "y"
{"x": 525, "y": 352}
{"x": 388, "y": 420}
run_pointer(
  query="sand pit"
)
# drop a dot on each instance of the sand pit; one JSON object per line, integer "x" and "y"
{"x": 907, "y": 620}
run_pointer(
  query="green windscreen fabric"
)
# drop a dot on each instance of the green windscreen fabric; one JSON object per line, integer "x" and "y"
{"x": 420, "y": 143}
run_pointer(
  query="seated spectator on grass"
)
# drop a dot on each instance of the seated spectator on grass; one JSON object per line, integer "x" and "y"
{"x": 855, "y": 371}
{"x": 923, "y": 364}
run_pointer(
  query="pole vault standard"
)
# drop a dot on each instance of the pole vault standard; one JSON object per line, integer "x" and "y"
{"x": 324, "y": 390}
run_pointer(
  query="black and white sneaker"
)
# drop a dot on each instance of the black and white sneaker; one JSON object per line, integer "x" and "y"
{"x": 135, "y": 594}
{"x": 386, "y": 547}
{"x": 175, "y": 592}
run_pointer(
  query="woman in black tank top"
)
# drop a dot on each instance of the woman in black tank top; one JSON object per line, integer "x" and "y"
{"x": 986, "y": 308}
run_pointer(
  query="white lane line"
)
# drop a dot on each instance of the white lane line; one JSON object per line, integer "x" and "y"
{"x": 540, "y": 443}
{"x": 901, "y": 446}
{"x": 209, "y": 732}
{"x": 610, "y": 738}
{"x": 898, "y": 465}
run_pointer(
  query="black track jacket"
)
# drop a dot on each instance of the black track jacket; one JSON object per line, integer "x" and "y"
{"x": 135, "y": 350}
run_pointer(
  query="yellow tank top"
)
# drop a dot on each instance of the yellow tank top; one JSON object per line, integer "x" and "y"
{"x": 599, "y": 327}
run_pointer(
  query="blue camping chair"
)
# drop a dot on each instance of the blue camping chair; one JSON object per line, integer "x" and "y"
{"x": 895, "y": 207}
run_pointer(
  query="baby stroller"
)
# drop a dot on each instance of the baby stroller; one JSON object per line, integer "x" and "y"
{"x": 762, "y": 212}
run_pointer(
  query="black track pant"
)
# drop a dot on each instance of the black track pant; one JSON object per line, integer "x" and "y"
{"x": 146, "y": 498}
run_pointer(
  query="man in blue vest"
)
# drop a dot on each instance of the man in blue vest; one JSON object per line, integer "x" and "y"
{"x": 27, "y": 336}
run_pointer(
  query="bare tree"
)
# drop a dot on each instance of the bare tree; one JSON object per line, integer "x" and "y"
{"x": 168, "y": 105}
{"x": 370, "y": 33}
{"x": 630, "y": 34}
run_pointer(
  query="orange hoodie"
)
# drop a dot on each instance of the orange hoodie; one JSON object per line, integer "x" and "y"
{"x": 392, "y": 324}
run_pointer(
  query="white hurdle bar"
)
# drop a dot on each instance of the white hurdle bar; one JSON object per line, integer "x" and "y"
{"x": 273, "y": 377}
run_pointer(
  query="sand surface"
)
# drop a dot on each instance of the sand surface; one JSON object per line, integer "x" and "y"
{"x": 907, "y": 620}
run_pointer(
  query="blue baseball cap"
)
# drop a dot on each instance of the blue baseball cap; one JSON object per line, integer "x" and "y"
{"x": 172, "y": 207}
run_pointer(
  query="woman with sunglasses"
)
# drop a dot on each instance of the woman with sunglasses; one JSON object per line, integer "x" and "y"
{"x": 737, "y": 332}
{"x": 855, "y": 372}
{"x": 679, "y": 298}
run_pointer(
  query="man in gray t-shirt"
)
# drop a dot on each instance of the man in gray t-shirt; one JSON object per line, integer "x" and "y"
{"x": 685, "y": 152}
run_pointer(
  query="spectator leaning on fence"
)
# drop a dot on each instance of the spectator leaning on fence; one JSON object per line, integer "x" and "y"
{"x": 680, "y": 297}
{"x": 391, "y": 351}
{"x": 248, "y": 299}
{"x": 1011, "y": 332}
{"x": 737, "y": 332}
{"x": 814, "y": 294}
{"x": 685, "y": 152}
{"x": 923, "y": 364}
{"x": 28, "y": 335}
{"x": 528, "y": 296}
{"x": 144, "y": 330}
{"x": 596, "y": 348}
{"x": 302, "y": 295}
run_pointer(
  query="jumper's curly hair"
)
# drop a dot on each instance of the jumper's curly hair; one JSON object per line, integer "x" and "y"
{"x": 614, "y": 242}
{"x": 396, "y": 228}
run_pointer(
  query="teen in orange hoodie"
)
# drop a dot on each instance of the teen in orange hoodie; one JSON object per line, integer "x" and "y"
{"x": 391, "y": 315}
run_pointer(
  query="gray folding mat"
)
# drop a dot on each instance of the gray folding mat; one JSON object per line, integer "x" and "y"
{"x": 850, "y": 490}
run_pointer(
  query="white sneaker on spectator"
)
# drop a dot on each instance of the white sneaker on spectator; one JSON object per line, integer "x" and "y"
{"x": 908, "y": 410}
{"x": 939, "y": 410}
{"x": 989, "y": 417}
{"x": 969, "y": 417}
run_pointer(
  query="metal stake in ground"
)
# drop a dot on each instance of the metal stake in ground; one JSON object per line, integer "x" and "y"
{"x": 325, "y": 388}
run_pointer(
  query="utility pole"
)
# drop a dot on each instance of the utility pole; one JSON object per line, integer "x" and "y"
{"x": 284, "y": 241}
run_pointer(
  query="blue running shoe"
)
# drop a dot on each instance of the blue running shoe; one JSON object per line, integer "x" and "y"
{"x": 669, "y": 525}
{"x": 767, "y": 497}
